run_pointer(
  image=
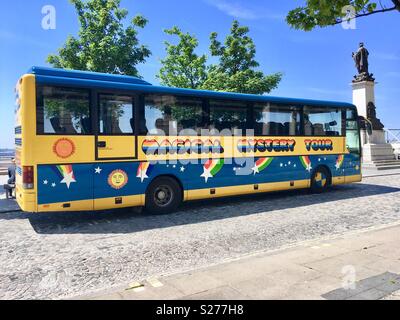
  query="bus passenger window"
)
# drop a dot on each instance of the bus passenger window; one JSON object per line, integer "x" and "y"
{"x": 116, "y": 115}
{"x": 276, "y": 120}
{"x": 63, "y": 111}
{"x": 171, "y": 115}
{"x": 228, "y": 115}
{"x": 323, "y": 121}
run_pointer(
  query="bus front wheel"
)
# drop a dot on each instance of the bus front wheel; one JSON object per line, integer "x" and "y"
{"x": 320, "y": 180}
{"x": 163, "y": 196}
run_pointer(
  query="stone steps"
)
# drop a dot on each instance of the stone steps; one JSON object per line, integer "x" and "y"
{"x": 383, "y": 165}
{"x": 383, "y": 162}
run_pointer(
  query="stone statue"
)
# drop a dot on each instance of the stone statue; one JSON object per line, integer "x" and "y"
{"x": 371, "y": 116}
{"x": 371, "y": 122}
{"x": 361, "y": 59}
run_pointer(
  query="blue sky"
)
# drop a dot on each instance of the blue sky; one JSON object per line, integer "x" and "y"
{"x": 315, "y": 64}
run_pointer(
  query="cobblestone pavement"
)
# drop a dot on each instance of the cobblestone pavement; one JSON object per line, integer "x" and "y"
{"x": 62, "y": 255}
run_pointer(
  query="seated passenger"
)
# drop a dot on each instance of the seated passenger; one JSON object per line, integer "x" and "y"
{"x": 319, "y": 130}
{"x": 308, "y": 127}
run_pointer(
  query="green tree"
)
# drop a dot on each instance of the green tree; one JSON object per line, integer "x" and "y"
{"x": 182, "y": 67}
{"x": 104, "y": 44}
{"x": 236, "y": 70}
{"x": 324, "y": 13}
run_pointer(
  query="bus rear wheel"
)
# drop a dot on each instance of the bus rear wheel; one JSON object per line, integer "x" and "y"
{"x": 320, "y": 180}
{"x": 163, "y": 196}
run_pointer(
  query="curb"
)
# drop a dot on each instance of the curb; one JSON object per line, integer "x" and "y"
{"x": 9, "y": 211}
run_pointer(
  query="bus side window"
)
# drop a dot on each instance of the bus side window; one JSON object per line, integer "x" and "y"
{"x": 63, "y": 111}
{"x": 276, "y": 120}
{"x": 322, "y": 121}
{"x": 173, "y": 115}
{"x": 116, "y": 114}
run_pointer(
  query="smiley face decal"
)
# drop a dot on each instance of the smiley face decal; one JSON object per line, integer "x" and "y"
{"x": 118, "y": 179}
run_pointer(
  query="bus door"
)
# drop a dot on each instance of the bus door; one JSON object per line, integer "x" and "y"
{"x": 352, "y": 163}
{"x": 116, "y": 138}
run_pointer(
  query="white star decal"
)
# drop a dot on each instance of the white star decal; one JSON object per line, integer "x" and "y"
{"x": 98, "y": 170}
{"x": 182, "y": 169}
{"x": 255, "y": 170}
{"x": 53, "y": 185}
{"x": 309, "y": 168}
{"x": 206, "y": 175}
{"x": 68, "y": 179}
{"x": 45, "y": 182}
{"x": 142, "y": 175}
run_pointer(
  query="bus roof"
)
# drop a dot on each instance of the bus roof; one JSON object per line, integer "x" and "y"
{"x": 121, "y": 82}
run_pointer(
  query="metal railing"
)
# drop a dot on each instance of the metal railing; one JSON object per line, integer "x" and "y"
{"x": 392, "y": 136}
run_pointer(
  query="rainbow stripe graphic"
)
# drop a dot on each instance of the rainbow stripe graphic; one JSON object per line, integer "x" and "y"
{"x": 214, "y": 166}
{"x": 64, "y": 170}
{"x": 339, "y": 161}
{"x": 306, "y": 162}
{"x": 211, "y": 168}
{"x": 262, "y": 164}
{"x": 65, "y": 173}
{"x": 144, "y": 170}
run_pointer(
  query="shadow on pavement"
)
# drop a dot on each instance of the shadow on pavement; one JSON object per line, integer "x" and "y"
{"x": 129, "y": 221}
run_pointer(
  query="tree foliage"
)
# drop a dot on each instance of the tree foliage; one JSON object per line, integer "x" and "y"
{"x": 236, "y": 70}
{"x": 104, "y": 44}
{"x": 324, "y": 13}
{"x": 182, "y": 67}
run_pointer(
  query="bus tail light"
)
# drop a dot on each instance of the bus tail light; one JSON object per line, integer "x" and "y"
{"x": 27, "y": 177}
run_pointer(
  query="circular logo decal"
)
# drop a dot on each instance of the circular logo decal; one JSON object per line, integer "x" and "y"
{"x": 64, "y": 148}
{"x": 118, "y": 179}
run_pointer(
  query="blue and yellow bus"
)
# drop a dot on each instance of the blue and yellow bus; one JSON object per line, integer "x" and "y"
{"x": 92, "y": 141}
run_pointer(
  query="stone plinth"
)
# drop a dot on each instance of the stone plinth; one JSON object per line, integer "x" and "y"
{"x": 373, "y": 141}
{"x": 363, "y": 93}
{"x": 377, "y": 152}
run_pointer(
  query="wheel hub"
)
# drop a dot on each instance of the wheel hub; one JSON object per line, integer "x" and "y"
{"x": 163, "y": 196}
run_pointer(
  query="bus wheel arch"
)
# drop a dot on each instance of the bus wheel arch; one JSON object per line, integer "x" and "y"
{"x": 164, "y": 194}
{"x": 321, "y": 179}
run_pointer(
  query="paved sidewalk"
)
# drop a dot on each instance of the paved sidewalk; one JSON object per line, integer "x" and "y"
{"x": 321, "y": 269}
{"x": 6, "y": 205}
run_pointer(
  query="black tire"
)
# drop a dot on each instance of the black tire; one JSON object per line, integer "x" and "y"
{"x": 163, "y": 196}
{"x": 320, "y": 180}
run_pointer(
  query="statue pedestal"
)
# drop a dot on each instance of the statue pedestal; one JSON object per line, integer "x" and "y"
{"x": 363, "y": 93}
{"x": 373, "y": 143}
{"x": 377, "y": 152}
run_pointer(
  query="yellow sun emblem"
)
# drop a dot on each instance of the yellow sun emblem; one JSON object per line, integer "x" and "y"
{"x": 118, "y": 179}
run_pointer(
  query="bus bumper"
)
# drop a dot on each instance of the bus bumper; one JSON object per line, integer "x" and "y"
{"x": 26, "y": 200}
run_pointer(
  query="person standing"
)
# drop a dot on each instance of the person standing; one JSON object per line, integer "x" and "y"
{"x": 11, "y": 176}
